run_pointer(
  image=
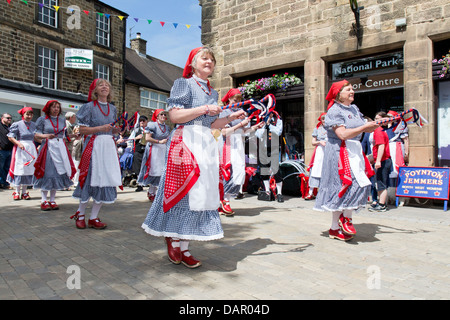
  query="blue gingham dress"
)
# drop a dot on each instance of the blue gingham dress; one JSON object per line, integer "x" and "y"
{"x": 20, "y": 131}
{"x": 91, "y": 116}
{"x": 51, "y": 180}
{"x": 327, "y": 198}
{"x": 180, "y": 221}
{"x": 321, "y": 135}
{"x": 157, "y": 134}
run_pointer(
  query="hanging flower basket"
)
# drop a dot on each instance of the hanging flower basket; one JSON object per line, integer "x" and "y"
{"x": 443, "y": 63}
{"x": 260, "y": 87}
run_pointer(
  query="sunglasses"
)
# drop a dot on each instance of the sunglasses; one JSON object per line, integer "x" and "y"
{"x": 9, "y": 118}
{"x": 164, "y": 115}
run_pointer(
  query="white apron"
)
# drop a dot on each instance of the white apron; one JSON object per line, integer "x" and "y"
{"x": 204, "y": 194}
{"x": 357, "y": 163}
{"x": 105, "y": 163}
{"x": 316, "y": 170}
{"x": 157, "y": 160}
{"x": 58, "y": 152}
{"x": 237, "y": 159}
{"x": 22, "y": 157}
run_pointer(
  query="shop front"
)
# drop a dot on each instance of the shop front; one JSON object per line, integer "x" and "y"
{"x": 377, "y": 81}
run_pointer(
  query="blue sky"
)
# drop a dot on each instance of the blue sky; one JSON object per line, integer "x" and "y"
{"x": 166, "y": 43}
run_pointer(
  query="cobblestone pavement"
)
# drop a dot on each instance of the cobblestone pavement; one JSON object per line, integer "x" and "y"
{"x": 271, "y": 251}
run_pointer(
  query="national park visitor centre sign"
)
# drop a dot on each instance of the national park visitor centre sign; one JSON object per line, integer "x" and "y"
{"x": 371, "y": 73}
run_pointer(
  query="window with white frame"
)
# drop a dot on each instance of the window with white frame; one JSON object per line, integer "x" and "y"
{"x": 47, "y": 67}
{"x": 103, "y": 30}
{"x": 47, "y": 13}
{"x": 102, "y": 71}
{"x": 153, "y": 100}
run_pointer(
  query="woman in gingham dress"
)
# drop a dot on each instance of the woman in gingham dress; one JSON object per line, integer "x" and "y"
{"x": 156, "y": 134}
{"x": 344, "y": 185}
{"x": 186, "y": 203}
{"x": 21, "y": 171}
{"x": 99, "y": 166}
{"x": 54, "y": 167}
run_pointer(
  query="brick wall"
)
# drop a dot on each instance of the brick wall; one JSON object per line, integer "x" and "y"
{"x": 252, "y": 36}
{"x": 21, "y": 34}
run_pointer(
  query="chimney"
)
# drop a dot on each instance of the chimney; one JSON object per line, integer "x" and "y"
{"x": 139, "y": 45}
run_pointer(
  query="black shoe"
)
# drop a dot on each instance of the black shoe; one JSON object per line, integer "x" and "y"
{"x": 139, "y": 188}
{"x": 378, "y": 208}
{"x": 239, "y": 196}
{"x": 263, "y": 196}
{"x": 280, "y": 197}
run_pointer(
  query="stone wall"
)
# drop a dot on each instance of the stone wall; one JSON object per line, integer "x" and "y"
{"x": 21, "y": 34}
{"x": 252, "y": 36}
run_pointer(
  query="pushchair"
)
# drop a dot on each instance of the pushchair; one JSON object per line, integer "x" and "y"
{"x": 129, "y": 178}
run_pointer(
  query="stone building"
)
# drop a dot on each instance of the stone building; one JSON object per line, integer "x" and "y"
{"x": 53, "y": 50}
{"x": 385, "y": 49}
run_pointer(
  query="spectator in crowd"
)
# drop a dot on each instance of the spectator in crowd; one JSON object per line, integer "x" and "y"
{"x": 383, "y": 163}
{"x": 139, "y": 148}
{"x": 6, "y": 147}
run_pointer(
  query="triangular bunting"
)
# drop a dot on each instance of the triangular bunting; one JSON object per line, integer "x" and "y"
{"x": 136, "y": 19}
{"x": 175, "y": 25}
{"x": 25, "y": 1}
{"x": 149, "y": 21}
{"x": 100, "y": 14}
{"x": 56, "y": 8}
{"x": 162, "y": 23}
{"x": 9, "y": 1}
{"x": 40, "y": 4}
{"x": 188, "y": 26}
{"x": 85, "y": 11}
{"x": 107, "y": 15}
{"x": 121, "y": 17}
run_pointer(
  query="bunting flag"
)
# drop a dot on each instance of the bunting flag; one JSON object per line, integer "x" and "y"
{"x": 108, "y": 16}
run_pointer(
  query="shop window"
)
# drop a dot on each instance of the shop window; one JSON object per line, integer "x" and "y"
{"x": 103, "y": 30}
{"x": 47, "y": 14}
{"x": 153, "y": 100}
{"x": 47, "y": 67}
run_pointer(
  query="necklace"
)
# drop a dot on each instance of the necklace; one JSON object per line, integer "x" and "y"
{"x": 98, "y": 105}
{"x": 161, "y": 128}
{"x": 55, "y": 128}
{"x": 209, "y": 87}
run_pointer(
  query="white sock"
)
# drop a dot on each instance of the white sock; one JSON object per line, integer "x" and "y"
{"x": 52, "y": 195}
{"x": 175, "y": 244}
{"x": 95, "y": 210}
{"x": 348, "y": 213}
{"x": 82, "y": 209}
{"x": 24, "y": 189}
{"x": 279, "y": 186}
{"x": 44, "y": 195}
{"x": 184, "y": 246}
{"x": 227, "y": 197}
{"x": 335, "y": 220}
{"x": 266, "y": 185}
{"x": 18, "y": 189}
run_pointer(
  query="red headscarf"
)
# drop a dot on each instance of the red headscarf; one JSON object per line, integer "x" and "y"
{"x": 24, "y": 110}
{"x": 46, "y": 108}
{"x": 91, "y": 89}
{"x": 320, "y": 121}
{"x": 232, "y": 92}
{"x": 334, "y": 91}
{"x": 188, "y": 71}
{"x": 156, "y": 113}
{"x": 392, "y": 113}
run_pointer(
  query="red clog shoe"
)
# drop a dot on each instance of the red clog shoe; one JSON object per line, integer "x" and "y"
{"x": 225, "y": 205}
{"x": 53, "y": 205}
{"x": 173, "y": 253}
{"x": 309, "y": 197}
{"x": 338, "y": 234}
{"x": 79, "y": 223}
{"x": 45, "y": 206}
{"x": 16, "y": 196}
{"x": 347, "y": 225}
{"x": 151, "y": 196}
{"x": 26, "y": 196}
{"x": 96, "y": 224}
{"x": 189, "y": 261}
